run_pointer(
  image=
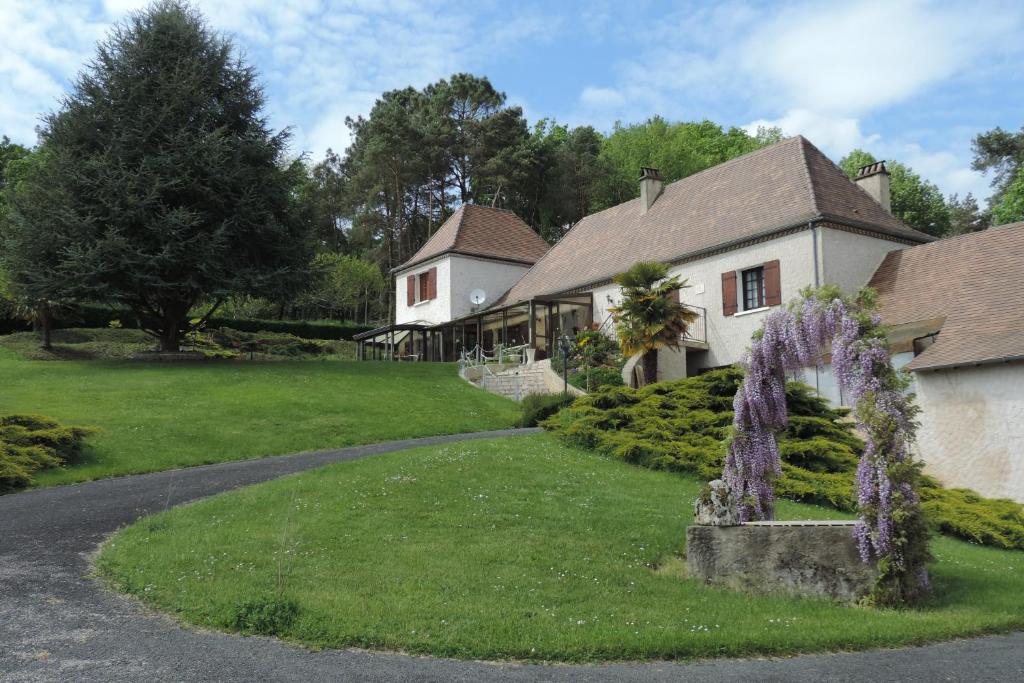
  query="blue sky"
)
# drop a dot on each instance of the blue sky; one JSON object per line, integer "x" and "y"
{"x": 912, "y": 81}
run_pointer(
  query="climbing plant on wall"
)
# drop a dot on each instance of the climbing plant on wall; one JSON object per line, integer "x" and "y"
{"x": 891, "y": 530}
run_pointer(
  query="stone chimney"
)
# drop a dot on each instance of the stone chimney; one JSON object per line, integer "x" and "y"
{"x": 650, "y": 187}
{"x": 874, "y": 179}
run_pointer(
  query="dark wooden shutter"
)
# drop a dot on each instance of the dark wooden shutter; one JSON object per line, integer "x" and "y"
{"x": 729, "y": 293}
{"x": 432, "y": 283}
{"x": 772, "y": 284}
{"x": 410, "y": 290}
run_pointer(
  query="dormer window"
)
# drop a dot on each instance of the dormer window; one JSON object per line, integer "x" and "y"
{"x": 753, "y": 288}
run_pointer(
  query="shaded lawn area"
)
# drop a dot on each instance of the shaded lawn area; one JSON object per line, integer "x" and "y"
{"x": 510, "y": 548}
{"x": 157, "y": 416}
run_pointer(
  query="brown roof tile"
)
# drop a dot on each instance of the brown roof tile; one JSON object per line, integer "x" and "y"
{"x": 973, "y": 281}
{"x": 483, "y": 231}
{"x": 785, "y": 185}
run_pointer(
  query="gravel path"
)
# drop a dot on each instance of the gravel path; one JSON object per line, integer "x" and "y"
{"x": 57, "y": 624}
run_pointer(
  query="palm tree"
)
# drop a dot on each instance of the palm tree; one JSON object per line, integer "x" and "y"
{"x": 650, "y": 316}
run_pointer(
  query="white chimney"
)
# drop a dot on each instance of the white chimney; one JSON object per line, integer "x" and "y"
{"x": 874, "y": 179}
{"x": 650, "y": 187}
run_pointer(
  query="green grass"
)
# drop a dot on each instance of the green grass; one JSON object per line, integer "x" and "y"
{"x": 157, "y": 416}
{"x": 79, "y": 344}
{"x": 512, "y": 548}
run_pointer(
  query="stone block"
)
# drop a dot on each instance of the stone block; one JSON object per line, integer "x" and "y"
{"x": 811, "y": 559}
{"x": 716, "y": 506}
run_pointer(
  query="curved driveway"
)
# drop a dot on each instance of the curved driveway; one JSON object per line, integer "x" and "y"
{"x": 57, "y": 624}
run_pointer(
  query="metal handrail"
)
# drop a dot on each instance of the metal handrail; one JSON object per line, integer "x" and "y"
{"x": 478, "y": 356}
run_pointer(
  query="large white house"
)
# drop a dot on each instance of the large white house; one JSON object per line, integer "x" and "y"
{"x": 747, "y": 235}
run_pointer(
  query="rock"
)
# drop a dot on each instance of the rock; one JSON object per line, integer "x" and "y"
{"x": 715, "y": 506}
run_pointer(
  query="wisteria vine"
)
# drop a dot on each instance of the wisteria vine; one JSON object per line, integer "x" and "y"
{"x": 890, "y": 529}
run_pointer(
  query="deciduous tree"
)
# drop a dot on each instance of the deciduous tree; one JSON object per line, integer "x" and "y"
{"x": 1010, "y": 207}
{"x": 915, "y": 201}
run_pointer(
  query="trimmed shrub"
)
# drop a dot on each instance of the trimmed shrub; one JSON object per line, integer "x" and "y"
{"x": 539, "y": 407}
{"x": 682, "y": 426}
{"x": 29, "y": 443}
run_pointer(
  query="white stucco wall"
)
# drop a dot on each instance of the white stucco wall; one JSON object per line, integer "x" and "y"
{"x": 457, "y": 276}
{"x": 844, "y": 259}
{"x": 436, "y": 310}
{"x": 728, "y": 337}
{"x": 972, "y": 428}
{"x": 494, "y": 277}
{"x": 849, "y": 260}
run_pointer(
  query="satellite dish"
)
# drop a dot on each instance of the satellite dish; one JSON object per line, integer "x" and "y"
{"x": 478, "y": 296}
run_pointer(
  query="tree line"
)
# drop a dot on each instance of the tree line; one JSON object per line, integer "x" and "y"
{"x": 157, "y": 184}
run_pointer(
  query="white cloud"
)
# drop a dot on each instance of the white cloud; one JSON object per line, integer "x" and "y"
{"x": 863, "y": 55}
{"x": 320, "y": 62}
{"x": 835, "y": 135}
{"x": 815, "y": 68}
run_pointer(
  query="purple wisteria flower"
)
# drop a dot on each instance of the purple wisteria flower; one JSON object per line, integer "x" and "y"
{"x": 792, "y": 339}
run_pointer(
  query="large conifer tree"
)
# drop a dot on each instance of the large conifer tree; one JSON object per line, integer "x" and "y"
{"x": 178, "y": 190}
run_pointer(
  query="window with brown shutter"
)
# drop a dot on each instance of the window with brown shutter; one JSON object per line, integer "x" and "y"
{"x": 772, "y": 284}
{"x": 729, "y": 293}
{"x": 432, "y": 283}
{"x": 410, "y": 290}
{"x": 752, "y": 280}
{"x": 424, "y": 287}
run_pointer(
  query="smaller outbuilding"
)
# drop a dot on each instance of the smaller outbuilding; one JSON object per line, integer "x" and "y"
{"x": 956, "y": 312}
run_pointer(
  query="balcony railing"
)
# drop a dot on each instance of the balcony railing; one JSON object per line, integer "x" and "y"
{"x": 697, "y": 331}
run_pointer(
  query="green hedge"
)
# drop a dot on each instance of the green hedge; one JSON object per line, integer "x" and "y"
{"x": 307, "y": 330}
{"x": 96, "y": 316}
{"x": 683, "y": 426}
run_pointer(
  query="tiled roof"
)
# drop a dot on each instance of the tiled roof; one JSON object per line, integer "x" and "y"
{"x": 973, "y": 281}
{"x": 483, "y": 231}
{"x": 785, "y": 185}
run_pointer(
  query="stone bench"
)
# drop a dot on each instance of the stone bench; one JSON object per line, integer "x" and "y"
{"x": 812, "y": 559}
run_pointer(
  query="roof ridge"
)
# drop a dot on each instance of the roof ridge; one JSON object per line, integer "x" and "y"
{"x": 806, "y": 165}
{"x": 730, "y": 162}
{"x": 488, "y": 208}
{"x": 458, "y": 226}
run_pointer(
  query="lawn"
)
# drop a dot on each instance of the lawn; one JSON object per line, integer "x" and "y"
{"x": 157, "y": 416}
{"x": 514, "y": 548}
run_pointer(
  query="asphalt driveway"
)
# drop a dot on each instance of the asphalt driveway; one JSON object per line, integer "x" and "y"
{"x": 58, "y": 624}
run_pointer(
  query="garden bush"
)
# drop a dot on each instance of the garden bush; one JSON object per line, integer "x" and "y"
{"x": 539, "y": 407}
{"x": 595, "y": 361}
{"x": 275, "y": 343}
{"x": 592, "y": 379}
{"x": 29, "y": 443}
{"x": 683, "y": 425}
